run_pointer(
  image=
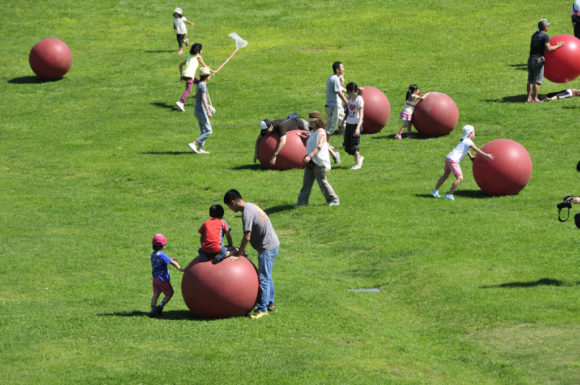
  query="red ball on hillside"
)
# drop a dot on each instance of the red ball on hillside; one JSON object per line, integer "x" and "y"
{"x": 289, "y": 157}
{"x": 435, "y": 115}
{"x": 508, "y": 173}
{"x": 376, "y": 111}
{"x": 50, "y": 59}
{"x": 225, "y": 289}
{"x": 563, "y": 64}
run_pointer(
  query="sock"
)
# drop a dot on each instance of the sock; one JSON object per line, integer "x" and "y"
{"x": 152, "y": 309}
{"x": 161, "y": 305}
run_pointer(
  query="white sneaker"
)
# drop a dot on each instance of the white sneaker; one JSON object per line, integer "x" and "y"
{"x": 334, "y": 204}
{"x": 193, "y": 146}
{"x": 202, "y": 151}
{"x": 356, "y": 167}
{"x": 180, "y": 105}
{"x": 362, "y": 159}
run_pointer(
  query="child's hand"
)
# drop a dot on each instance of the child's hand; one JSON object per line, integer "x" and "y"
{"x": 490, "y": 156}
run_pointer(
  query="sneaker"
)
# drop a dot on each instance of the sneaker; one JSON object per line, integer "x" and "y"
{"x": 272, "y": 307}
{"x": 398, "y": 136}
{"x": 180, "y": 105}
{"x": 202, "y": 151}
{"x": 159, "y": 311}
{"x": 180, "y": 52}
{"x": 336, "y": 158}
{"x": 435, "y": 194}
{"x": 356, "y": 167}
{"x": 449, "y": 197}
{"x": 153, "y": 314}
{"x": 258, "y": 314}
{"x": 193, "y": 146}
{"x": 334, "y": 204}
{"x": 186, "y": 41}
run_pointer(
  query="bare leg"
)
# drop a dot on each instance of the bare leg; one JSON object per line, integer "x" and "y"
{"x": 455, "y": 184}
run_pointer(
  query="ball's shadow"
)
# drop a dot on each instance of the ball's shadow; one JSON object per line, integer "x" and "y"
{"x": 31, "y": 80}
{"x": 475, "y": 194}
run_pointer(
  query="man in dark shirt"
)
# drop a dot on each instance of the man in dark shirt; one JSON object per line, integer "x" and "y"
{"x": 539, "y": 44}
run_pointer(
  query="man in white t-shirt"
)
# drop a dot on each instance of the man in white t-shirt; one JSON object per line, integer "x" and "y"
{"x": 454, "y": 158}
{"x": 318, "y": 160}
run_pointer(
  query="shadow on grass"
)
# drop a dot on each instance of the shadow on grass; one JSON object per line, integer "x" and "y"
{"x": 509, "y": 99}
{"x": 277, "y": 209}
{"x": 172, "y": 107}
{"x": 31, "y": 80}
{"x": 519, "y": 67}
{"x": 477, "y": 194}
{"x": 168, "y": 153}
{"x": 392, "y": 136}
{"x": 160, "y": 51}
{"x": 168, "y": 315}
{"x": 255, "y": 166}
{"x": 539, "y": 282}
{"x": 570, "y": 107}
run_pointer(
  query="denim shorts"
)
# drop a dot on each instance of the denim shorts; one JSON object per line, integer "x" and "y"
{"x": 535, "y": 69}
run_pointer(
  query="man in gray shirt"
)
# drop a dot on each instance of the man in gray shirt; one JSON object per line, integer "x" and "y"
{"x": 259, "y": 232}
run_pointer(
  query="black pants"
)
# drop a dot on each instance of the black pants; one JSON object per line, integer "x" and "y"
{"x": 180, "y": 38}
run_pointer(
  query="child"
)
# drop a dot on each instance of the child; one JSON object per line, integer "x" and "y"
{"x": 161, "y": 282}
{"x": 413, "y": 96}
{"x": 454, "y": 157}
{"x": 187, "y": 71}
{"x": 180, "y": 29}
{"x": 212, "y": 236}
{"x": 203, "y": 112}
{"x": 354, "y": 121}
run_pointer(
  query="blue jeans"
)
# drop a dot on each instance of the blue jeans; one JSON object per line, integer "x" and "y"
{"x": 204, "y": 128}
{"x": 266, "y": 293}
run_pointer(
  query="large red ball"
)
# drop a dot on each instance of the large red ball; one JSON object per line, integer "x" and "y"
{"x": 225, "y": 289}
{"x": 435, "y": 115}
{"x": 508, "y": 173}
{"x": 289, "y": 157}
{"x": 376, "y": 111}
{"x": 563, "y": 64}
{"x": 50, "y": 59}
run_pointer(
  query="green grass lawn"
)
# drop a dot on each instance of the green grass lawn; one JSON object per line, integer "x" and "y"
{"x": 483, "y": 290}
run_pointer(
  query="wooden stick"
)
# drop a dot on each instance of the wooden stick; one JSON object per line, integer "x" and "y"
{"x": 227, "y": 60}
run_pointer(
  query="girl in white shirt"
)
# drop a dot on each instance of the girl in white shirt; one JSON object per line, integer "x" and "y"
{"x": 354, "y": 120}
{"x": 454, "y": 157}
{"x": 180, "y": 28}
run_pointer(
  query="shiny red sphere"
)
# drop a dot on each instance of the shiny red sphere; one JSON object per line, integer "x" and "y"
{"x": 435, "y": 115}
{"x": 563, "y": 64}
{"x": 50, "y": 59}
{"x": 376, "y": 110}
{"x": 508, "y": 173}
{"x": 290, "y": 156}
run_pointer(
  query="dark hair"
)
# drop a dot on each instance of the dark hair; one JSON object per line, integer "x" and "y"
{"x": 411, "y": 91}
{"x": 353, "y": 87}
{"x": 578, "y": 167}
{"x": 542, "y": 25}
{"x": 203, "y": 78}
{"x": 335, "y": 66}
{"x": 216, "y": 211}
{"x": 195, "y": 49}
{"x": 232, "y": 195}
{"x": 157, "y": 246}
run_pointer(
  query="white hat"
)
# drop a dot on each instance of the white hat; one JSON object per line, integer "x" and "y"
{"x": 467, "y": 129}
{"x": 204, "y": 71}
{"x": 178, "y": 10}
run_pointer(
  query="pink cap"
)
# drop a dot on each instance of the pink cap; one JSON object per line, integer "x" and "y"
{"x": 159, "y": 239}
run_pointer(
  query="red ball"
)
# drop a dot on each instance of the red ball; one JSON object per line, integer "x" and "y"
{"x": 50, "y": 59}
{"x": 563, "y": 64}
{"x": 225, "y": 289}
{"x": 289, "y": 157}
{"x": 376, "y": 111}
{"x": 508, "y": 173}
{"x": 435, "y": 115}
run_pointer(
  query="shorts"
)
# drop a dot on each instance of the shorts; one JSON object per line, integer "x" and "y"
{"x": 406, "y": 115}
{"x": 351, "y": 141}
{"x": 452, "y": 166}
{"x": 160, "y": 286}
{"x": 536, "y": 69}
{"x": 334, "y": 119}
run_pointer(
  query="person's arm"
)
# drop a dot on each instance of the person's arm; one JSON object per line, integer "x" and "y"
{"x": 485, "y": 154}
{"x": 200, "y": 59}
{"x": 190, "y": 23}
{"x": 174, "y": 263}
{"x": 181, "y": 69}
{"x": 245, "y": 240}
{"x": 204, "y": 101}
{"x": 281, "y": 145}
{"x": 360, "y": 120}
{"x": 229, "y": 238}
{"x": 550, "y": 47}
{"x": 303, "y": 134}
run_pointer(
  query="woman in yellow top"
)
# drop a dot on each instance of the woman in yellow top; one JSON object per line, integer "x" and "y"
{"x": 187, "y": 71}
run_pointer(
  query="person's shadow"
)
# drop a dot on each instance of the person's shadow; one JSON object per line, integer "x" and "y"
{"x": 174, "y": 315}
{"x": 474, "y": 194}
{"x": 509, "y": 99}
{"x": 539, "y": 282}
